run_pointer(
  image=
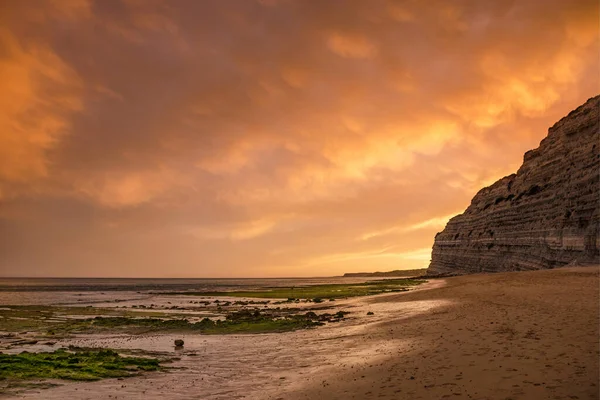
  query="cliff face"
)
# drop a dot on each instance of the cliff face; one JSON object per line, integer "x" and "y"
{"x": 544, "y": 216}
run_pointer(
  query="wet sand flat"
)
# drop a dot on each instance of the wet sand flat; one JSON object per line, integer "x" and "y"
{"x": 523, "y": 335}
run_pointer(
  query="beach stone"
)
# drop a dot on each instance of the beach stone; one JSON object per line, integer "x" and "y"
{"x": 23, "y": 342}
{"x": 544, "y": 216}
{"x": 178, "y": 343}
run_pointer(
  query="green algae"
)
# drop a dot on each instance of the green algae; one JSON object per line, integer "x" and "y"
{"x": 88, "y": 365}
{"x": 244, "y": 321}
{"x": 56, "y": 319}
{"x": 319, "y": 292}
{"x": 47, "y": 322}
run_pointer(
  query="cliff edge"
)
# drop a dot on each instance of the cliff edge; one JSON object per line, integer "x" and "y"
{"x": 544, "y": 216}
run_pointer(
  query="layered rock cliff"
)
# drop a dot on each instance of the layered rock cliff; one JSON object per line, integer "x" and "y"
{"x": 544, "y": 216}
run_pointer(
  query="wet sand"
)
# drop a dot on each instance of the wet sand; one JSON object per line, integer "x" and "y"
{"x": 524, "y": 335}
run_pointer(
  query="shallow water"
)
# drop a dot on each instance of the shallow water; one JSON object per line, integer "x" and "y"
{"x": 252, "y": 366}
{"x": 211, "y": 367}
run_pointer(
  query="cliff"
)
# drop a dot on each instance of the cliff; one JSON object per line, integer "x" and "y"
{"x": 544, "y": 216}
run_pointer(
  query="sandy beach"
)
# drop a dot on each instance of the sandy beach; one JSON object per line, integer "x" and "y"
{"x": 524, "y": 335}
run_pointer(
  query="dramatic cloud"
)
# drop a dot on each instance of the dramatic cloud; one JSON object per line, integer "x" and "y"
{"x": 255, "y": 138}
{"x": 39, "y": 95}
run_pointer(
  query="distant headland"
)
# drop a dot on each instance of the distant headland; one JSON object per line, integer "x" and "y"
{"x": 397, "y": 272}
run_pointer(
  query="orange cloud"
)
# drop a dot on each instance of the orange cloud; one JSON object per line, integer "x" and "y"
{"x": 40, "y": 94}
{"x": 274, "y": 137}
{"x": 123, "y": 189}
{"x": 351, "y": 46}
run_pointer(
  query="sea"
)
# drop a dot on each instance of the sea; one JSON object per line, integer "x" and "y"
{"x": 73, "y": 291}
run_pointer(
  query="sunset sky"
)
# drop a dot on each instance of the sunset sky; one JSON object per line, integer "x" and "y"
{"x": 210, "y": 138}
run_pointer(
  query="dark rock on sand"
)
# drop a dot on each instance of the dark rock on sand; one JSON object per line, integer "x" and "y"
{"x": 178, "y": 343}
{"x": 23, "y": 342}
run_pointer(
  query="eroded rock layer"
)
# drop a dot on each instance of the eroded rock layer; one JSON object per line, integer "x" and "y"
{"x": 544, "y": 216}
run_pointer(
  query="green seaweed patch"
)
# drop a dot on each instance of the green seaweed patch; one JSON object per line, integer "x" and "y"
{"x": 56, "y": 319}
{"x": 40, "y": 311}
{"x": 244, "y": 321}
{"x": 319, "y": 292}
{"x": 79, "y": 366}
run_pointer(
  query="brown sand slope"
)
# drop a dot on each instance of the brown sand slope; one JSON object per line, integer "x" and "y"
{"x": 520, "y": 335}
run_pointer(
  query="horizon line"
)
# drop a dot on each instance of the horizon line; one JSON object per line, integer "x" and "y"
{"x": 124, "y": 277}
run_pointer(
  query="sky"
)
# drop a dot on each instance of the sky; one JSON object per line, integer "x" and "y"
{"x": 243, "y": 138}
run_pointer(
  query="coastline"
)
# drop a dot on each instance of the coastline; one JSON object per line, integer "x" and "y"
{"x": 518, "y": 335}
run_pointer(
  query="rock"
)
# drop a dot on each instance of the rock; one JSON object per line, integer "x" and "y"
{"x": 178, "y": 343}
{"x": 370, "y": 313}
{"x": 544, "y": 216}
{"x": 311, "y": 315}
{"x": 7, "y": 335}
{"x": 23, "y": 342}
